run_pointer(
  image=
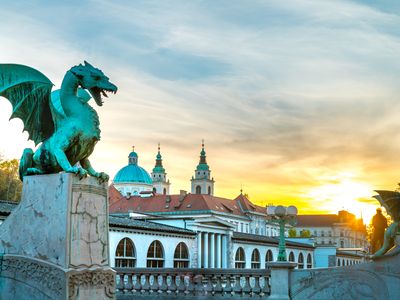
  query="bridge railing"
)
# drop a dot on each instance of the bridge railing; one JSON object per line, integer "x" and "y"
{"x": 193, "y": 282}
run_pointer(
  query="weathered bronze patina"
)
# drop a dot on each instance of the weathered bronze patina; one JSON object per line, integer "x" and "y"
{"x": 62, "y": 121}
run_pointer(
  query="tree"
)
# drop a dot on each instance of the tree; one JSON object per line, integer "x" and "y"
{"x": 292, "y": 233}
{"x": 10, "y": 185}
{"x": 305, "y": 233}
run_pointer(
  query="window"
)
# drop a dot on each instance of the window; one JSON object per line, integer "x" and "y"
{"x": 341, "y": 244}
{"x": 154, "y": 190}
{"x": 291, "y": 256}
{"x": 338, "y": 262}
{"x": 164, "y": 191}
{"x": 255, "y": 259}
{"x": 125, "y": 256}
{"x": 322, "y": 233}
{"x": 329, "y": 233}
{"x": 268, "y": 257}
{"x": 309, "y": 261}
{"x": 300, "y": 261}
{"x": 209, "y": 190}
{"x": 155, "y": 255}
{"x": 198, "y": 189}
{"x": 240, "y": 262}
{"x": 181, "y": 256}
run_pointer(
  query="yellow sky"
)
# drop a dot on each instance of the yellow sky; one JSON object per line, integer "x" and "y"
{"x": 299, "y": 103}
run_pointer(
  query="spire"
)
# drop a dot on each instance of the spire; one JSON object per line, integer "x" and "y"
{"x": 203, "y": 161}
{"x": 158, "y": 168}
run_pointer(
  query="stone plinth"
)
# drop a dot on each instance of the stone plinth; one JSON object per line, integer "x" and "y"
{"x": 280, "y": 279}
{"x": 62, "y": 223}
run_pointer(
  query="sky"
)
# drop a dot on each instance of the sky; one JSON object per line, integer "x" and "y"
{"x": 297, "y": 101}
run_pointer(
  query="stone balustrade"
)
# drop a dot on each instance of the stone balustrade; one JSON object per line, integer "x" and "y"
{"x": 193, "y": 282}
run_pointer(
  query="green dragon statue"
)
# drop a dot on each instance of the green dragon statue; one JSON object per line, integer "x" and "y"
{"x": 390, "y": 200}
{"x": 62, "y": 122}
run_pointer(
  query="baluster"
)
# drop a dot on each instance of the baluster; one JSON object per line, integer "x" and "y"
{"x": 257, "y": 288}
{"x": 190, "y": 287}
{"x": 181, "y": 284}
{"x": 228, "y": 286}
{"x": 266, "y": 288}
{"x": 162, "y": 288}
{"x": 237, "y": 289}
{"x": 120, "y": 284}
{"x": 129, "y": 285}
{"x": 172, "y": 286}
{"x": 218, "y": 285}
{"x": 246, "y": 288}
{"x": 146, "y": 283}
{"x": 207, "y": 284}
{"x": 198, "y": 284}
{"x": 137, "y": 286}
{"x": 153, "y": 283}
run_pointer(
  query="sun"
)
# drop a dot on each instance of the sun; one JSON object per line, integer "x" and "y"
{"x": 343, "y": 191}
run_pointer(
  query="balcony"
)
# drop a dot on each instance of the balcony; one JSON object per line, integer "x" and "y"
{"x": 132, "y": 282}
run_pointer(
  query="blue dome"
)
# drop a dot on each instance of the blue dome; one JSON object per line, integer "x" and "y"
{"x": 133, "y": 173}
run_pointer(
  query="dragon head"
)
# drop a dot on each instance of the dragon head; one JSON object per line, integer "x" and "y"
{"x": 93, "y": 80}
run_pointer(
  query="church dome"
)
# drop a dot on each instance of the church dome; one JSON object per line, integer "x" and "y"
{"x": 133, "y": 173}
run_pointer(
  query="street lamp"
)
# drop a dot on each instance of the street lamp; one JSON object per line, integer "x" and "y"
{"x": 282, "y": 215}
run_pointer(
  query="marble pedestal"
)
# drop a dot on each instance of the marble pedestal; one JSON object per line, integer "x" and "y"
{"x": 280, "y": 279}
{"x": 55, "y": 243}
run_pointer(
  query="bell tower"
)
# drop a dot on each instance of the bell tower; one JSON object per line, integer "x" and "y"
{"x": 202, "y": 183}
{"x": 159, "y": 177}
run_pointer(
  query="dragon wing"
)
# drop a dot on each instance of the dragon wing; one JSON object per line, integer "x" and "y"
{"x": 28, "y": 90}
{"x": 390, "y": 200}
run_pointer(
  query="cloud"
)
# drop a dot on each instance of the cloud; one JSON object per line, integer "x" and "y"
{"x": 283, "y": 92}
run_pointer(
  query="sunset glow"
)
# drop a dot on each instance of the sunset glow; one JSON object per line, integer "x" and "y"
{"x": 297, "y": 103}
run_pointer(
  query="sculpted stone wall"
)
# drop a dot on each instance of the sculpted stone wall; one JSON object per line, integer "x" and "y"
{"x": 378, "y": 280}
{"x": 59, "y": 232}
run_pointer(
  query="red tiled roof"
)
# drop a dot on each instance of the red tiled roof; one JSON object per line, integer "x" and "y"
{"x": 184, "y": 202}
{"x": 317, "y": 220}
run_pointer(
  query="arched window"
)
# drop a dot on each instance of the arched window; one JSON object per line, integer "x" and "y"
{"x": 209, "y": 190}
{"x": 125, "y": 255}
{"x": 155, "y": 255}
{"x": 154, "y": 190}
{"x": 198, "y": 189}
{"x": 300, "y": 261}
{"x": 309, "y": 261}
{"x": 181, "y": 256}
{"x": 255, "y": 259}
{"x": 291, "y": 256}
{"x": 338, "y": 262}
{"x": 268, "y": 257}
{"x": 240, "y": 261}
{"x": 164, "y": 191}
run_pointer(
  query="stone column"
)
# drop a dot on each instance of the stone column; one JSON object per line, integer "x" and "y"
{"x": 218, "y": 250}
{"x": 56, "y": 241}
{"x": 279, "y": 280}
{"x": 199, "y": 252}
{"x": 212, "y": 251}
{"x": 224, "y": 251}
{"x": 206, "y": 250}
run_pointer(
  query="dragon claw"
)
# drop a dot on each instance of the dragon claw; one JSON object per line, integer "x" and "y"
{"x": 102, "y": 177}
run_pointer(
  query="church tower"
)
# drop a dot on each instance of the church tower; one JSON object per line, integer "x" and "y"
{"x": 159, "y": 177}
{"x": 202, "y": 183}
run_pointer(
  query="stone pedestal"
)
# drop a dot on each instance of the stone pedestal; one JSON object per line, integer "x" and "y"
{"x": 280, "y": 279}
{"x": 60, "y": 228}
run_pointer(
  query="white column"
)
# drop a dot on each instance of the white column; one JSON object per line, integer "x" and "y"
{"x": 212, "y": 251}
{"x": 206, "y": 251}
{"x": 199, "y": 252}
{"x": 224, "y": 251}
{"x": 218, "y": 250}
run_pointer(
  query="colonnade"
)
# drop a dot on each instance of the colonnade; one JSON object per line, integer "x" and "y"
{"x": 212, "y": 250}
